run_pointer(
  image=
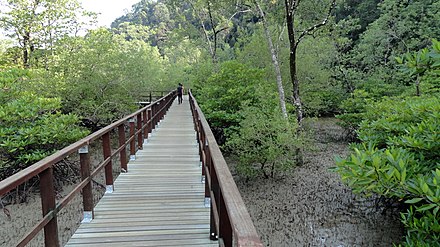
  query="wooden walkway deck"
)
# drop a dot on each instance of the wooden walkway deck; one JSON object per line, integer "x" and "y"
{"x": 160, "y": 201}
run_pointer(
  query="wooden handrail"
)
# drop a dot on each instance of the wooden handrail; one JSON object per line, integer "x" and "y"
{"x": 146, "y": 118}
{"x": 152, "y": 95}
{"x": 231, "y": 223}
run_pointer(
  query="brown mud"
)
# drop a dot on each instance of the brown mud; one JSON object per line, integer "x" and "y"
{"x": 312, "y": 207}
{"x": 16, "y": 220}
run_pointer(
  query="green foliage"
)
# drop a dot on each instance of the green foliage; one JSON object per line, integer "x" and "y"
{"x": 31, "y": 126}
{"x": 421, "y": 63}
{"x": 265, "y": 143}
{"x": 222, "y": 94}
{"x": 104, "y": 75}
{"x": 353, "y": 111}
{"x": 409, "y": 123}
{"x": 319, "y": 94}
{"x": 364, "y": 12}
{"x": 424, "y": 65}
{"x": 37, "y": 25}
{"x": 399, "y": 159}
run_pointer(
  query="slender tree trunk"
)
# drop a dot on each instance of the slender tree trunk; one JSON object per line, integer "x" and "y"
{"x": 275, "y": 63}
{"x": 292, "y": 61}
{"x": 418, "y": 86}
{"x": 205, "y": 31}
{"x": 214, "y": 49}
{"x": 26, "y": 39}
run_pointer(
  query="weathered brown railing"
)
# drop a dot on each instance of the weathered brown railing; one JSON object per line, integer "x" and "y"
{"x": 146, "y": 119}
{"x": 230, "y": 221}
{"x": 151, "y": 96}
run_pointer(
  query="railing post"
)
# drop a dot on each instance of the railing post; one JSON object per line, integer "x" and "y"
{"x": 144, "y": 124}
{"x": 153, "y": 117}
{"x": 214, "y": 203}
{"x": 108, "y": 168}
{"x": 158, "y": 112}
{"x": 224, "y": 222}
{"x": 123, "y": 153}
{"x": 201, "y": 149}
{"x": 139, "y": 128}
{"x": 87, "y": 194}
{"x": 47, "y": 193}
{"x": 149, "y": 121}
{"x": 164, "y": 108}
{"x": 132, "y": 142}
{"x": 151, "y": 98}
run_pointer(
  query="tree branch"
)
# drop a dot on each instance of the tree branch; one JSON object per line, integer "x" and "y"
{"x": 238, "y": 12}
{"x": 205, "y": 32}
{"x": 316, "y": 26}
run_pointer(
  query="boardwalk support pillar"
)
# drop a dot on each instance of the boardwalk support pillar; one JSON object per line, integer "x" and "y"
{"x": 87, "y": 194}
{"x": 108, "y": 167}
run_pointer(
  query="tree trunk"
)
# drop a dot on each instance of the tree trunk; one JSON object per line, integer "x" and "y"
{"x": 418, "y": 86}
{"x": 292, "y": 62}
{"x": 26, "y": 39}
{"x": 214, "y": 48}
{"x": 274, "y": 62}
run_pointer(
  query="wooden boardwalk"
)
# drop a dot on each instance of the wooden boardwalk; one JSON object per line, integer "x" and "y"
{"x": 160, "y": 201}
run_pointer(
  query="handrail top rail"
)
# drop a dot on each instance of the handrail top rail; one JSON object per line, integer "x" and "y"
{"x": 20, "y": 177}
{"x": 241, "y": 222}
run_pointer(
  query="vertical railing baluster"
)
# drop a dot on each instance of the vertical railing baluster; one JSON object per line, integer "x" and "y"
{"x": 149, "y": 121}
{"x": 153, "y": 118}
{"x": 132, "y": 142}
{"x": 84, "y": 160}
{"x": 47, "y": 192}
{"x": 123, "y": 152}
{"x": 108, "y": 168}
{"x": 163, "y": 106}
{"x": 144, "y": 124}
{"x": 140, "y": 137}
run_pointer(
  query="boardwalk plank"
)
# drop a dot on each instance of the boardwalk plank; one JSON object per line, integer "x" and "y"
{"x": 160, "y": 200}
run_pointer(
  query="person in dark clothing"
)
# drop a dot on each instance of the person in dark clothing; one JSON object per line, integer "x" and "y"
{"x": 180, "y": 93}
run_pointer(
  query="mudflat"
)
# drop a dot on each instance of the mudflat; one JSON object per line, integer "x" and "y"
{"x": 312, "y": 207}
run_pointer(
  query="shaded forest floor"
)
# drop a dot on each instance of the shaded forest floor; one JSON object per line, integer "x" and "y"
{"x": 312, "y": 207}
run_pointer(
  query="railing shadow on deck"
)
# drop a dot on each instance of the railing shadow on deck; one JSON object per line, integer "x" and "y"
{"x": 140, "y": 124}
{"x": 230, "y": 221}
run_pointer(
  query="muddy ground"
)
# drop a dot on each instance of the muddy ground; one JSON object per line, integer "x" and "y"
{"x": 312, "y": 207}
{"x": 16, "y": 220}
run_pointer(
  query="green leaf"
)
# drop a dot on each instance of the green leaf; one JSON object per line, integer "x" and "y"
{"x": 425, "y": 207}
{"x": 414, "y": 200}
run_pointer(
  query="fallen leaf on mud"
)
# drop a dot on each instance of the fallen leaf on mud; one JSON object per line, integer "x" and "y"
{"x": 7, "y": 213}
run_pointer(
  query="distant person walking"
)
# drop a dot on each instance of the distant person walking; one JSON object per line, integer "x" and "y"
{"x": 180, "y": 93}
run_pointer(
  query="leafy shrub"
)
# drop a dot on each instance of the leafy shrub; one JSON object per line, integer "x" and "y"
{"x": 31, "y": 127}
{"x": 105, "y": 75}
{"x": 266, "y": 142}
{"x": 354, "y": 111}
{"x": 422, "y": 66}
{"x": 399, "y": 159}
{"x": 222, "y": 95}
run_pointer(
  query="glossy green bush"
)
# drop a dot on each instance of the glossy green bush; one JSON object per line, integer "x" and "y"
{"x": 31, "y": 126}
{"x": 399, "y": 158}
